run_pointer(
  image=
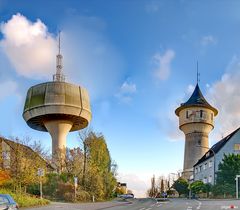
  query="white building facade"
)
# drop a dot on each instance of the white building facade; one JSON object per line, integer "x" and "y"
{"x": 206, "y": 167}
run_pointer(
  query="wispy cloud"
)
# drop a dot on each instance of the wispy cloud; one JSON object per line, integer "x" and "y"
{"x": 162, "y": 63}
{"x": 208, "y": 40}
{"x": 90, "y": 59}
{"x": 29, "y": 46}
{"x": 224, "y": 94}
{"x": 152, "y": 6}
{"x": 126, "y": 91}
{"x": 7, "y": 88}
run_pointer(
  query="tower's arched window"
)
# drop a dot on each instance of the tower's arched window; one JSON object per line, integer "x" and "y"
{"x": 187, "y": 114}
{"x": 201, "y": 113}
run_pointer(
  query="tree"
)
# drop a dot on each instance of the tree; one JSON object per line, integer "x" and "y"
{"x": 197, "y": 187}
{"x": 181, "y": 186}
{"x": 24, "y": 165}
{"x": 227, "y": 171}
{"x": 152, "y": 192}
{"x": 98, "y": 174}
{"x": 4, "y": 176}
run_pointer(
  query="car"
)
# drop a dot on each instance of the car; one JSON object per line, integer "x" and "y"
{"x": 7, "y": 202}
{"x": 126, "y": 196}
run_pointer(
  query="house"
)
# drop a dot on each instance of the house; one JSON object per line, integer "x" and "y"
{"x": 206, "y": 167}
{"x": 11, "y": 152}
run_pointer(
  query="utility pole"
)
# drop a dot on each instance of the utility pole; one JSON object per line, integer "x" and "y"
{"x": 237, "y": 176}
{"x": 75, "y": 187}
{"x": 40, "y": 174}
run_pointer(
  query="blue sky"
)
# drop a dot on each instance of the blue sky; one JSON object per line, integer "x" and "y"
{"x": 138, "y": 61}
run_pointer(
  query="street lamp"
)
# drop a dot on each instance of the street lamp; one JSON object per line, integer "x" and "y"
{"x": 214, "y": 161}
{"x": 237, "y": 176}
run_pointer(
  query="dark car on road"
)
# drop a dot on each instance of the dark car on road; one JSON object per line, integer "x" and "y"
{"x": 7, "y": 202}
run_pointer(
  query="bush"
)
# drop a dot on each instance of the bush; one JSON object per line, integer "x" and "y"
{"x": 83, "y": 196}
{"x": 64, "y": 189}
{"x": 50, "y": 187}
{"x": 25, "y": 200}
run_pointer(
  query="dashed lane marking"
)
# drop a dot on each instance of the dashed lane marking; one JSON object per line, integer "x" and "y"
{"x": 142, "y": 209}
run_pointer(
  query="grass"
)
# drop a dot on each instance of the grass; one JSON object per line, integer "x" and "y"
{"x": 25, "y": 200}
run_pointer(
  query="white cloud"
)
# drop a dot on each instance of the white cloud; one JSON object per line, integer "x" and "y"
{"x": 139, "y": 186}
{"x": 162, "y": 64}
{"x": 126, "y": 91}
{"x": 207, "y": 40}
{"x": 7, "y": 88}
{"x": 224, "y": 95}
{"x": 28, "y": 46}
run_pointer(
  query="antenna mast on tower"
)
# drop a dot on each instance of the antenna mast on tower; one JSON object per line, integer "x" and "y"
{"x": 59, "y": 77}
{"x": 198, "y": 74}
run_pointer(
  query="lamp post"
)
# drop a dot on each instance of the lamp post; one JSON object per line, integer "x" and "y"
{"x": 214, "y": 161}
{"x": 237, "y": 176}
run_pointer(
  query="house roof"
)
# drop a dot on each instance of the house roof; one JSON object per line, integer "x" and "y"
{"x": 196, "y": 99}
{"x": 216, "y": 147}
{"x": 14, "y": 146}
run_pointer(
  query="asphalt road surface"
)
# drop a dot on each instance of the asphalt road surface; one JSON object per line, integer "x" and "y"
{"x": 148, "y": 204}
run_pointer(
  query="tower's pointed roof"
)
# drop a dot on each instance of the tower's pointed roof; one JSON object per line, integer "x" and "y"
{"x": 197, "y": 99}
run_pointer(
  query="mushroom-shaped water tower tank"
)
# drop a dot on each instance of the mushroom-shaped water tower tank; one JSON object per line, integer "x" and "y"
{"x": 57, "y": 107}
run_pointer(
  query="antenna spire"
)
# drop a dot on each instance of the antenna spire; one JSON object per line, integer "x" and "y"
{"x": 198, "y": 74}
{"x": 59, "y": 77}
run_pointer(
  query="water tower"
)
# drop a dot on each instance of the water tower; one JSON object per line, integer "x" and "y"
{"x": 57, "y": 107}
{"x": 196, "y": 120}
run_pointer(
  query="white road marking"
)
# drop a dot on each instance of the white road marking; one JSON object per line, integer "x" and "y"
{"x": 199, "y": 204}
{"x": 142, "y": 209}
{"x": 148, "y": 208}
{"x": 153, "y": 205}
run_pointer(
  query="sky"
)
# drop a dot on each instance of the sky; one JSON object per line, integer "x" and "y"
{"x": 138, "y": 61}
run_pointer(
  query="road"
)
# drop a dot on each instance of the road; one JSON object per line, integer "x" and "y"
{"x": 149, "y": 204}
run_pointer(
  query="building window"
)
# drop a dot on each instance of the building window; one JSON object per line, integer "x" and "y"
{"x": 210, "y": 179}
{"x": 212, "y": 116}
{"x": 205, "y": 166}
{"x": 236, "y": 147}
{"x": 196, "y": 170}
{"x": 199, "y": 142}
{"x": 210, "y": 164}
{"x": 205, "y": 180}
{"x": 187, "y": 114}
{"x": 200, "y": 168}
{"x": 201, "y": 113}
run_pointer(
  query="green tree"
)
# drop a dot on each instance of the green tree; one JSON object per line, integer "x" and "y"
{"x": 198, "y": 187}
{"x": 98, "y": 174}
{"x": 227, "y": 171}
{"x": 181, "y": 186}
